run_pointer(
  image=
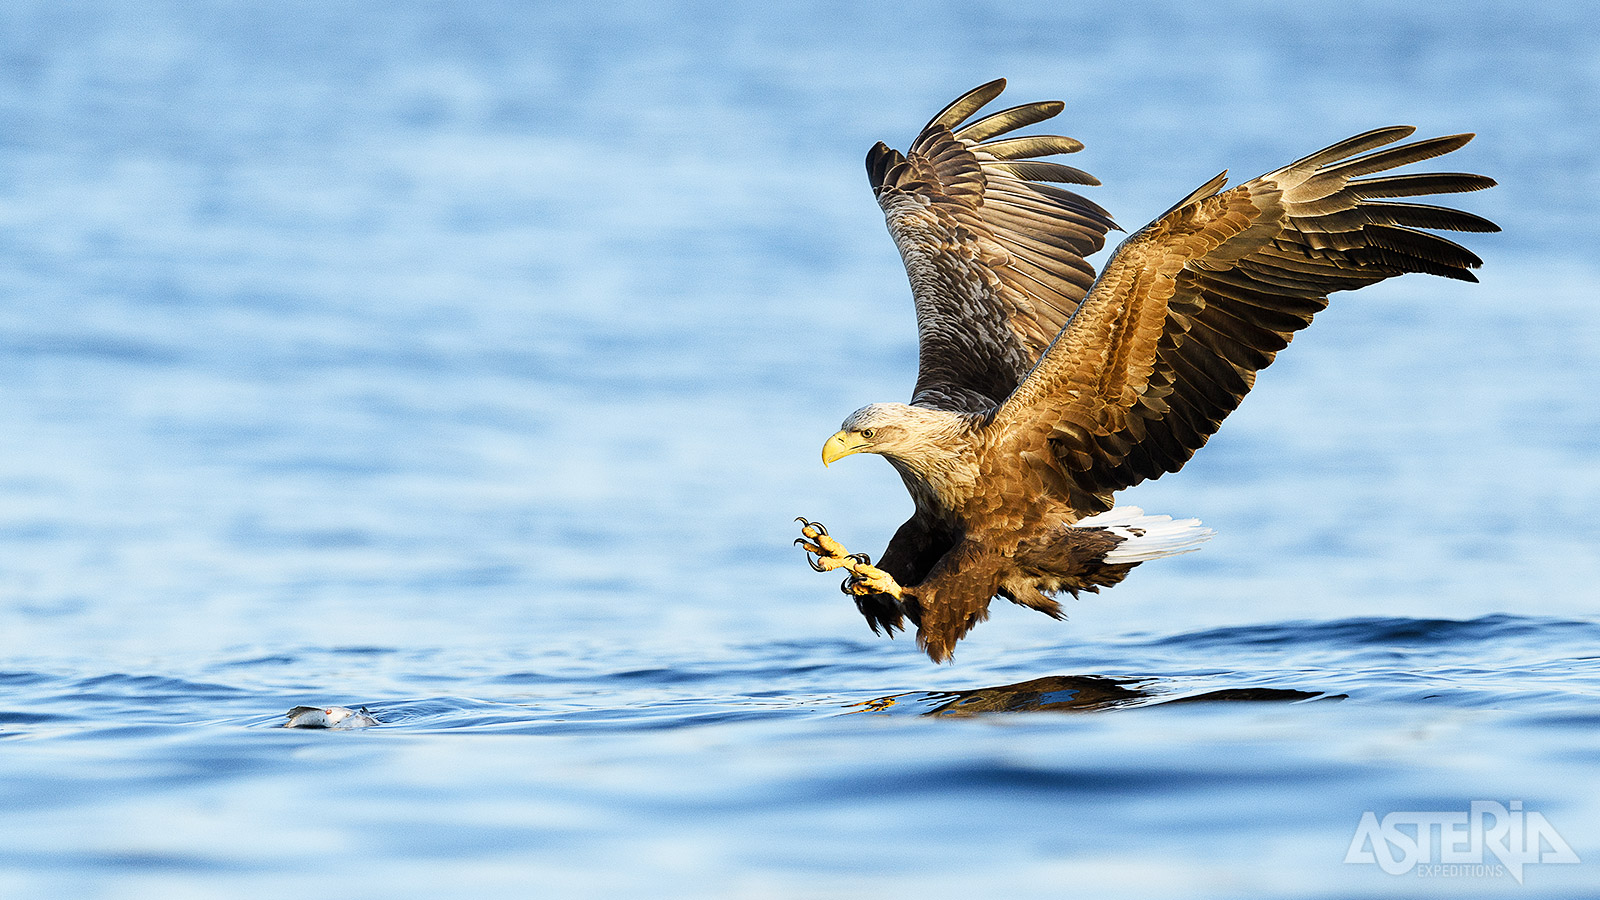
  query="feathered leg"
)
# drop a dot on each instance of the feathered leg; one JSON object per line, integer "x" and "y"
{"x": 954, "y": 597}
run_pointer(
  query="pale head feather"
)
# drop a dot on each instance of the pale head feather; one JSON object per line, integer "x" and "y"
{"x": 931, "y": 446}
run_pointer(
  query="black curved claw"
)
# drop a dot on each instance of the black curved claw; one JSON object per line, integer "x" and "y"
{"x": 862, "y": 558}
{"x": 807, "y": 523}
{"x": 814, "y": 564}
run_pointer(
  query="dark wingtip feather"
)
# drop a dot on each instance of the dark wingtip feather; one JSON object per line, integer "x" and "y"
{"x": 1394, "y": 157}
{"x": 1350, "y": 146}
{"x": 1420, "y": 184}
{"x": 1032, "y": 146}
{"x": 1031, "y": 170}
{"x": 880, "y": 160}
{"x": 1421, "y": 251}
{"x": 1008, "y": 120}
{"x": 967, "y": 104}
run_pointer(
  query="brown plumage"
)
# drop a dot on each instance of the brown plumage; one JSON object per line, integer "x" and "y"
{"x": 1043, "y": 390}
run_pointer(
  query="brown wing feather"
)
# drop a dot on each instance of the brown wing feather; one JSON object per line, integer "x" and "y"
{"x": 996, "y": 259}
{"x": 1191, "y": 307}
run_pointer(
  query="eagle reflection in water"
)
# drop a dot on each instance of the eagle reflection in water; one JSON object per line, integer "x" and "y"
{"x": 1069, "y": 693}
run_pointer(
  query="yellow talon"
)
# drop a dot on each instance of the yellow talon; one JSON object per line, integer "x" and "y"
{"x": 869, "y": 578}
{"x": 826, "y": 554}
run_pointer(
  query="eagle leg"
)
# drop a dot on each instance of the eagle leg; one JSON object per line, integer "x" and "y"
{"x": 823, "y": 554}
{"x": 866, "y": 578}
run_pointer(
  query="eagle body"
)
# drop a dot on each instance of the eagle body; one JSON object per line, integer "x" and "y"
{"x": 988, "y": 522}
{"x": 1044, "y": 388}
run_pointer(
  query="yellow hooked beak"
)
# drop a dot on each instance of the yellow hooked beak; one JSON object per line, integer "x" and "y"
{"x": 842, "y": 444}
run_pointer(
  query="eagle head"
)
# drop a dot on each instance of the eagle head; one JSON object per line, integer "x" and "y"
{"x": 925, "y": 441}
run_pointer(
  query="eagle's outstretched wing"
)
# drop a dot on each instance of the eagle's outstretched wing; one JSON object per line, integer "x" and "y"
{"x": 995, "y": 257}
{"x": 1193, "y": 305}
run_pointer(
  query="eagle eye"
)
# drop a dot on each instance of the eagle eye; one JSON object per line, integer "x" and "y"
{"x": 868, "y": 433}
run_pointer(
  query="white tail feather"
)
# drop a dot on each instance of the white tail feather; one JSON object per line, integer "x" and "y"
{"x": 1147, "y": 537}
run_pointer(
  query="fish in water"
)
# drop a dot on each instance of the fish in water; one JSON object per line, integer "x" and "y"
{"x": 329, "y": 717}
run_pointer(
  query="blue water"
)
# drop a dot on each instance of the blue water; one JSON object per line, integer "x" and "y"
{"x": 470, "y": 362}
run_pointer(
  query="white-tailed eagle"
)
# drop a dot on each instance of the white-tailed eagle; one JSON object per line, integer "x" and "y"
{"x": 1042, "y": 389}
